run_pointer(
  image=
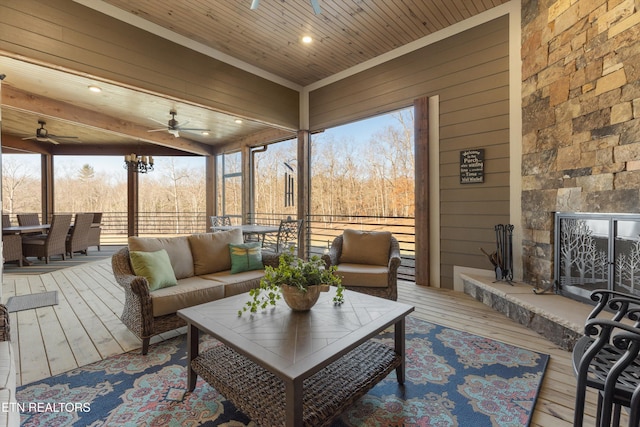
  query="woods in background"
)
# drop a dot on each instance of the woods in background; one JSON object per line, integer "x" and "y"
{"x": 349, "y": 177}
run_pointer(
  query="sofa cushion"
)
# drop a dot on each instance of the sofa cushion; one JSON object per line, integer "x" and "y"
{"x": 211, "y": 250}
{"x": 155, "y": 267}
{"x": 189, "y": 292}
{"x": 235, "y": 284}
{"x": 177, "y": 248}
{"x": 365, "y": 247}
{"x": 372, "y": 276}
{"x": 246, "y": 257}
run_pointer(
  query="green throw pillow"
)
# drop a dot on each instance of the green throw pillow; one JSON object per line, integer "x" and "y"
{"x": 155, "y": 266}
{"x": 245, "y": 257}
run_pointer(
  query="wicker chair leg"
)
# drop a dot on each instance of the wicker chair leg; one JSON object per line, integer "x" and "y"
{"x": 145, "y": 346}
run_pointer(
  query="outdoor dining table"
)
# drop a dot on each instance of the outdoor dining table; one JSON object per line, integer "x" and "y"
{"x": 249, "y": 229}
{"x": 22, "y": 229}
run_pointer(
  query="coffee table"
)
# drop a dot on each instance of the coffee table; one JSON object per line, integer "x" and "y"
{"x": 282, "y": 367}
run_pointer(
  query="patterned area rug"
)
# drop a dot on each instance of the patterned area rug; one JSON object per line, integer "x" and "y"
{"x": 453, "y": 379}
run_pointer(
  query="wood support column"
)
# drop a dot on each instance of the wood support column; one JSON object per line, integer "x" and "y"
{"x": 304, "y": 188}
{"x": 211, "y": 188}
{"x": 248, "y": 211}
{"x": 132, "y": 202}
{"x": 47, "y": 184}
{"x": 421, "y": 137}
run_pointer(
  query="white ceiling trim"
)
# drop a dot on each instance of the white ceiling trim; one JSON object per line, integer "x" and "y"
{"x": 474, "y": 21}
{"x": 152, "y": 28}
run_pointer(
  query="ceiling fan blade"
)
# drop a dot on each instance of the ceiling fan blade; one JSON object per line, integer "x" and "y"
{"x": 174, "y": 132}
{"x": 53, "y": 141}
{"x": 194, "y": 129}
{"x": 63, "y": 137}
{"x": 29, "y": 137}
{"x": 157, "y": 130}
{"x": 157, "y": 121}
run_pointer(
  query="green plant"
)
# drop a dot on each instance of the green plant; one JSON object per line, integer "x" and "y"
{"x": 292, "y": 271}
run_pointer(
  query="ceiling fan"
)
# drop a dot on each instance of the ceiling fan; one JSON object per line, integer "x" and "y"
{"x": 43, "y": 135}
{"x": 174, "y": 127}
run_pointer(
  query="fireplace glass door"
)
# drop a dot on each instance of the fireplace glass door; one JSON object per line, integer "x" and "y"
{"x": 597, "y": 251}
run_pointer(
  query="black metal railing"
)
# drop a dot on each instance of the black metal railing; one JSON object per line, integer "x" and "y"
{"x": 322, "y": 229}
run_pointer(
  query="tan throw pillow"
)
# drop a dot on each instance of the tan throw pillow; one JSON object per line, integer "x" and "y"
{"x": 177, "y": 248}
{"x": 211, "y": 250}
{"x": 365, "y": 247}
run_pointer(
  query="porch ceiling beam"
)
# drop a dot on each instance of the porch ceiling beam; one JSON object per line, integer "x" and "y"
{"x": 14, "y": 144}
{"x": 267, "y": 136}
{"x": 115, "y": 150}
{"x": 46, "y": 107}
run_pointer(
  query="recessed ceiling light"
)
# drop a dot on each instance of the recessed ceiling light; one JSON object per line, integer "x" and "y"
{"x": 306, "y": 39}
{"x": 238, "y": 121}
{"x": 205, "y": 133}
{"x": 96, "y": 89}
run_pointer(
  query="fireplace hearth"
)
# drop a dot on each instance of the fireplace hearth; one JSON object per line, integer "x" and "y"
{"x": 596, "y": 251}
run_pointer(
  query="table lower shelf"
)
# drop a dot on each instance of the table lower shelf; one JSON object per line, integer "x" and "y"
{"x": 260, "y": 394}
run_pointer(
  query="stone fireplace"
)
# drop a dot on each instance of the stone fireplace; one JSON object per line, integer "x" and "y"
{"x": 596, "y": 251}
{"x": 580, "y": 126}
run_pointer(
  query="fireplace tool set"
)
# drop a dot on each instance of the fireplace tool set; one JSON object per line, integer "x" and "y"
{"x": 502, "y": 258}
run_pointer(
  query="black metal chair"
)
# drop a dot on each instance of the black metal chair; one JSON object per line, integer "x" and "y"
{"x": 288, "y": 235}
{"x": 220, "y": 221}
{"x": 606, "y": 359}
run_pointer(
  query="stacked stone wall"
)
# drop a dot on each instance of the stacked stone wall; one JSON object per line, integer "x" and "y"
{"x": 581, "y": 116}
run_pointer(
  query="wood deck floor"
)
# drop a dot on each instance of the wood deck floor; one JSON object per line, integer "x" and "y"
{"x": 85, "y": 327}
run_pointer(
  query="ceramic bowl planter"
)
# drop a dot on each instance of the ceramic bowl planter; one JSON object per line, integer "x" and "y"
{"x": 300, "y": 300}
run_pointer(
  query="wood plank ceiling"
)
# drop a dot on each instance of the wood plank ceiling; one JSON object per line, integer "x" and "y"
{"x": 345, "y": 34}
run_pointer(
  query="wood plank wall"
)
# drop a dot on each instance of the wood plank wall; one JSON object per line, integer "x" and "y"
{"x": 470, "y": 73}
{"x": 67, "y": 34}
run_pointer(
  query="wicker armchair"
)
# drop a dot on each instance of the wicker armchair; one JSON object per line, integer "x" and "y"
{"x": 12, "y": 248}
{"x": 360, "y": 276}
{"x": 53, "y": 243}
{"x": 96, "y": 230}
{"x": 78, "y": 238}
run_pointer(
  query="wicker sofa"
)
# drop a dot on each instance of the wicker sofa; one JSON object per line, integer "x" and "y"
{"x": 202, "y": 267}
{"x": 10, "y": 416}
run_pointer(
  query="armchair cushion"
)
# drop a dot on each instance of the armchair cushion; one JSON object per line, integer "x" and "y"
{"x": 155, "y": 267}
{"x": 177, "y": 248}
{"x": 365, "y": 247}
{"x": 211, "y": 250}
{"x": 245, "y": 257}
{"x": 372, "y": 276}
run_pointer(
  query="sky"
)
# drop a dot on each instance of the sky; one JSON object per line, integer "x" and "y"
{"x": 358, "y": 133}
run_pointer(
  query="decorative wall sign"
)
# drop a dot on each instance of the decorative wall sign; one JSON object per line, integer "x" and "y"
{"x": 472, "y": 166}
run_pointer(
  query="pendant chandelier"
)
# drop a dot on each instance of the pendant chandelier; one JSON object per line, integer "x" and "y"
{"x": 139, "y": 164}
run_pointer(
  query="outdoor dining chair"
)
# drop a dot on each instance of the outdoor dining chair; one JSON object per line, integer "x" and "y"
{"x": 78, "y": 238}
{"x": 6, "y": 221}
{"x": 29, "y": 219}
{"x": 288, "y": 235}
{"x": 53, "y": 243}
{"x": 96, "y": 230}
{"x": 220, "y": 221}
